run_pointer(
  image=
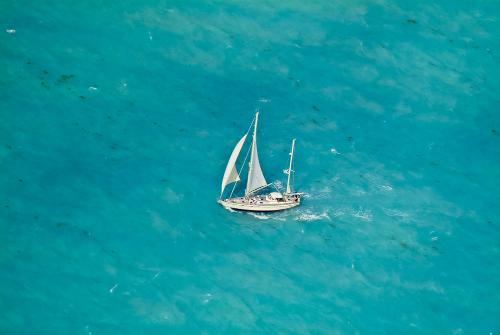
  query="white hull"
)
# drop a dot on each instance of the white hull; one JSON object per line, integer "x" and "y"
{"x": 260, "y": 204}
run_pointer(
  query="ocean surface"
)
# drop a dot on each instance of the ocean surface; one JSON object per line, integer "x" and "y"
{"x": 117, "y": 119}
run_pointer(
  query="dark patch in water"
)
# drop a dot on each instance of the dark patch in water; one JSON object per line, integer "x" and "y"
{"x": 315, "y": 108}
{"x": 63, "y": 78}
{"x": 66, "y": 225}
{"x": 494, "y": 131}
{"x": 403, "y": 244}
{"x": 83, "y": 97}
{"x": 349, "y": 138}
{"x": 45, "y": 72}
{"x": 296, "y": 82}
{"x": 411, "y": 21}
{"x": 20, "y": 180}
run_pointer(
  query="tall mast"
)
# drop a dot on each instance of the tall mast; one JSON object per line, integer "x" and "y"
{"x": 250, "y": 164}
{"x": 288, "y": 189}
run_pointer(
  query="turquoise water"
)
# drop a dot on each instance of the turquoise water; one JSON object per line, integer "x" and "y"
{"x": 117, "y": 119}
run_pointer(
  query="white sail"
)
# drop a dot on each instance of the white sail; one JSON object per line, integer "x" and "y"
{"x": 255, "y": 176}
{"x": 231, "y": 175}
{"x": 289, "y": 171}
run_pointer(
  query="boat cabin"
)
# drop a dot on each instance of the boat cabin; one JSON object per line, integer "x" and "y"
{"x": 275, "y": 196}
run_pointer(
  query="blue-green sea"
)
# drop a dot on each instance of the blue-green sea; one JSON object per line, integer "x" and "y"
{"x": 117, "y": 119}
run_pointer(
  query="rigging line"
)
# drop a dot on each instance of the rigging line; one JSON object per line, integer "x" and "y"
{"x": 260, "y": 188}
{"x": 244, "y": 161}
{"x": 275, "y": 187}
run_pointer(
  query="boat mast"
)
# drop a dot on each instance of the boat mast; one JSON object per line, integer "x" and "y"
{"x": 250, "y": 164}
{"x": 288, "y": 189}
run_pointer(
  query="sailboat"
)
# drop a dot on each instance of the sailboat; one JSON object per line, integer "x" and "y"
{"x": 256, "y": 182}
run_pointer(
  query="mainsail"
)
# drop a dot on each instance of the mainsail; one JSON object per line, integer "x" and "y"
{"x": 256, "y": 178}
{"x": 231, "y": 175}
